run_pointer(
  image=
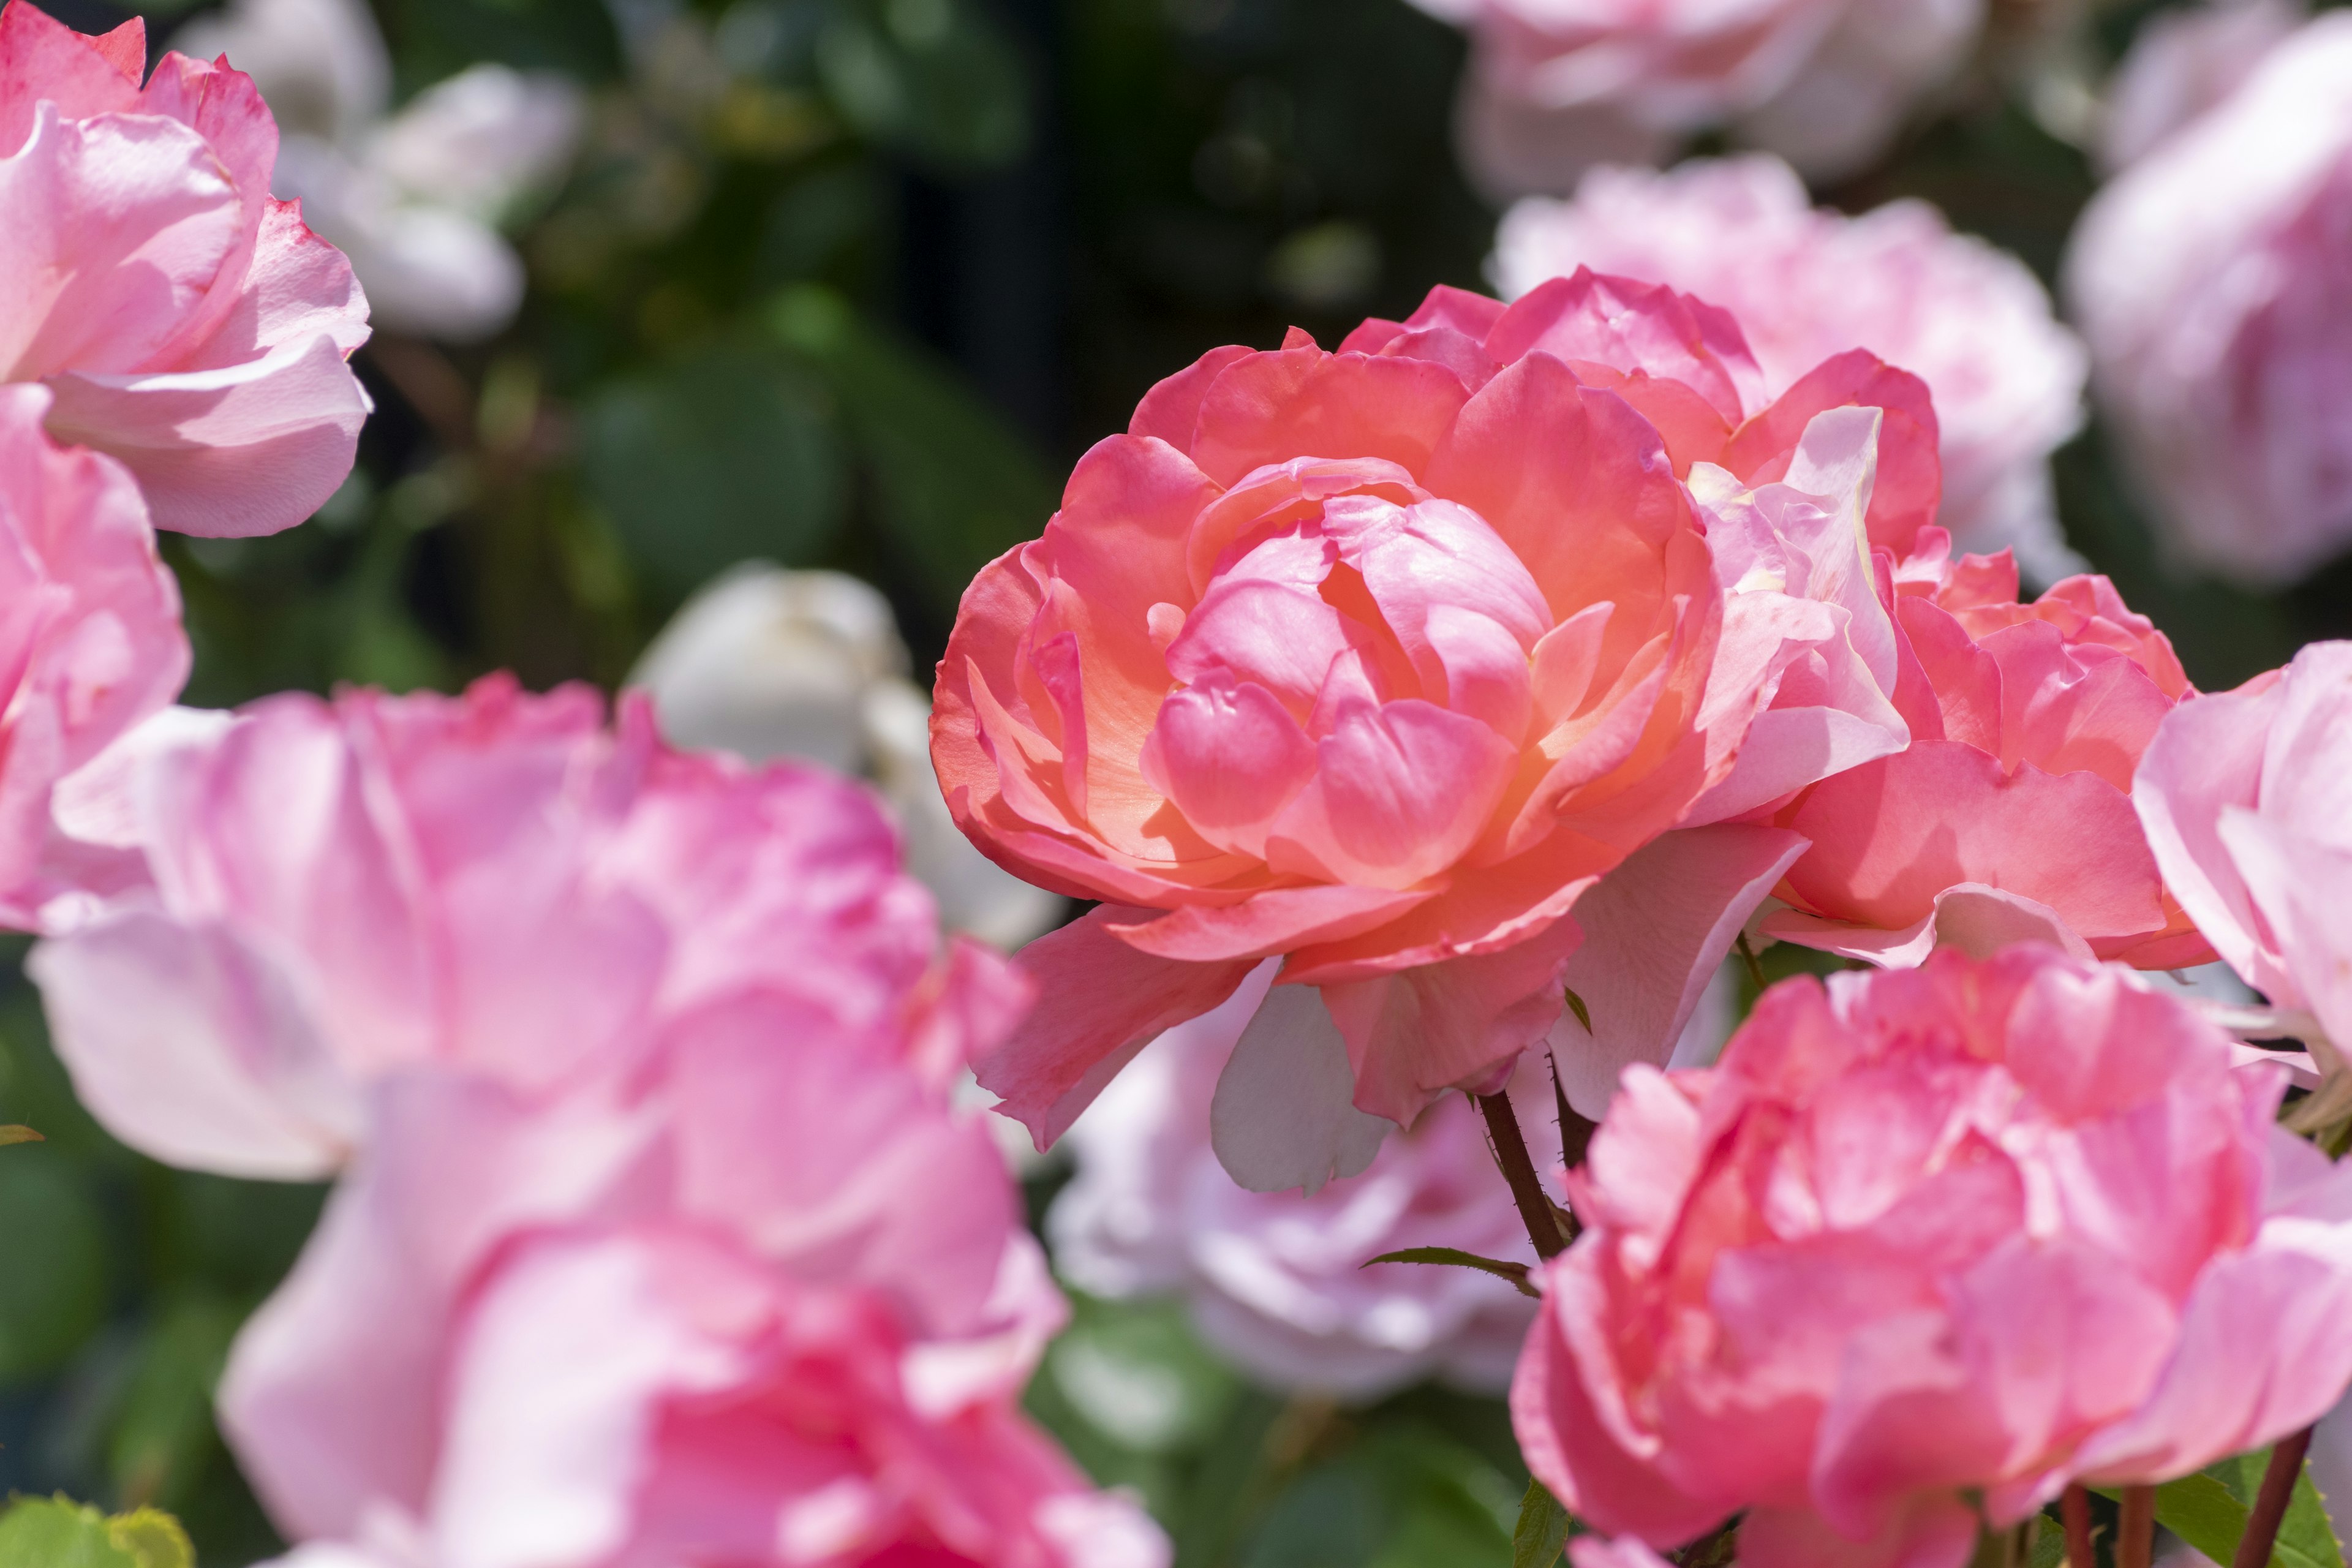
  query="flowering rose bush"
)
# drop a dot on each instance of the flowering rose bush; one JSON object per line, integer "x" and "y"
{"x": 2244, "y": 795}
{"x": 2009, "y": 813}
{"x": 307, "y": 895}
{"x": 1984, "y": 1226}
{"x": 1554, "y": 89}
{"x": 184, "y": 322}
{"x": 1277, "y": 1281}
{"x": 2208, "y": 280}
{"x": 92, "y": 634}
{"x": 1809, "y": 282}
{"x": 1375, "y": 660}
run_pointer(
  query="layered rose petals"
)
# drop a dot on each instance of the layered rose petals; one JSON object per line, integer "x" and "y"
{"x": 2245, "y": 797}
{"x": 91, "y": 640}
{"x": 2009, "y": 816}
{"x": 185, "y": 321}
{"x": 1926, "y": 1242}
{"x": 1374, "y": 660}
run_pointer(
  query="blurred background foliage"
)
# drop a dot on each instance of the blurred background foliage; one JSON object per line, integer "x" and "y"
{"x": 850, "y": 283}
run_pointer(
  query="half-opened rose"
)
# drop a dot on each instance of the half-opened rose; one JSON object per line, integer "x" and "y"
{"x": 1375, "y": 660}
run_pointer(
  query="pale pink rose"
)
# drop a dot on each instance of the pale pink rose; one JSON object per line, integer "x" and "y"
{"x": 2247, "y": 799}
{"x": 322, "y": 893}
{"x": 2009, "y": 818}
{"x": 2183, "y": 61}
{"x": 1275, "y": 1281}
{"x": 1977, "y": 1229}
{"x": 1556, "y": 87}
{"x": 1375, "y": 661}
{"x": 91, "y": 640}
{"x": 185, "y": 321}
{"x": 1625, "y": 1552}
{"x": 1807, "y": 282}
{"x": 768, "y": 1301}
{"x": 2208, "y": 279}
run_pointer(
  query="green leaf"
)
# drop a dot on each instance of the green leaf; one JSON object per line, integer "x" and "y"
{"x": 1454, "y": 1256}
{"x": 1583, "y": 1014}
{"x": 1541, "y": 1531}
{"x": 1136, "y": 1374}
{"x": 2205, "y": 1511}
{"x": 725, "y": 455}
{"x": 933, "y": 78}
{"x": 15, "y": 1134}
{"x": 55, "y": 1532}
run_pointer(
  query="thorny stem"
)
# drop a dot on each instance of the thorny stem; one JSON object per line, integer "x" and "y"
{"x": 1754, "y": 965}
{"x": 2270, "y": 1503}
{"x": 1520, "y": 1171}
{"x": 2074, "y": 1512}
{"x": 1575, "y": 1132}
{"x": 2136, "y": 1542}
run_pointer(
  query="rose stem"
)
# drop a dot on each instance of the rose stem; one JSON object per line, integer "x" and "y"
{"x": 1520, "y": 1171}
{"x": 2136, "y": 1542}
{"x": 1575, "y": 1132}
{"x": 2074, "y": 1511}
{"x": 2270, "y": 1503}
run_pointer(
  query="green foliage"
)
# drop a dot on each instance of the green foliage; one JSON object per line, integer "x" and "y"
{"x": 2208, "y": 1511}
{"x": 51, "y": 1221}
{"x": 1542, "y": 1530}
{"x": 52, "y": 1532}
{"x": 931, "y": 79}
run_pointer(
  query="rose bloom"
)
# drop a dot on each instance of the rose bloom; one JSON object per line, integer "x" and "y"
{"x": 2010, "y": 815}
{"x": 1982, "y": 1228}
{"x": 1275, "y": 1281}
{"x": 1376, "y": 660}
{"x": 2247, "y": 799}
{"x": 307, "y": 895}
{"x": 185, "y": 322}
{"x": 1555, "y": 88}
{"x": 92, "y": 634}
{"x": 1807, "y": 282}
{"x": 2209, "y": 278}
{"x": 766, "y": 1301}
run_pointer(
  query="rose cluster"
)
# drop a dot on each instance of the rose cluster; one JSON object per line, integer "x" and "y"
{"x": 1427, "y": 721}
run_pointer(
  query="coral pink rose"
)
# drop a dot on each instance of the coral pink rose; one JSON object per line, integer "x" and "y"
{"x": 1375, "y": 660}
{"x": 1984, "y": 1228}
{"x": 1275, "y": 1281}
{"x": 311, "y": 894}
{"x": 1807, "y": 282}
{"x": 2009, "y": 816}
{"x": 185, "y": 321}
{"x": 768, "y": 1301}
{"x": 2208, "y": 279}
{"x": 1557, "y": 86}
{"x": 2247, "y": 799}
{"x": 92, "y": 637}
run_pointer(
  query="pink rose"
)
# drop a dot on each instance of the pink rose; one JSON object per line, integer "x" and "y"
{"x": 1375, "y": 661}
{"x": 1275, "y": 1281}
{"x": 312, "y": 894}
{"x": 2183, "y": 62}
{"x": 1986, "y": 1226}
{"x": 184, "y": 322}
{"x": 2247, "y": 799}
{"x": 767, "y": 1300}
{"x": 2010, "y": 815}
{"x": 1556, "y": 87}
{"x": 2207, "y": 278}
{"x": 1809, "y": 282}
{"x": 93, "y": 641}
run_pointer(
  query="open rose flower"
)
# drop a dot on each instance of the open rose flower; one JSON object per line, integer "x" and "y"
{"x": 693, "y": 1316}
{"x": 1375, "y": 661}
{"x": 182, "y": 320}
{"x": 1928, "y": 1241}
{"x": 2208, "y": 279}
{"x": 2010, "y": 815}
{"x": 1807, "y": 282}
{"x": 307, "y": 895}
{"x": 1554, "y": 87}
{"x": 1275, "y": 1281}
{"x": 2247, "y": 799}
{"x": 92, "y": 637}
